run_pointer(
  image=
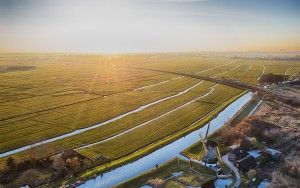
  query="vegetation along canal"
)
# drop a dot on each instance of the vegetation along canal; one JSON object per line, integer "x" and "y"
{"x": 169, "y": 151}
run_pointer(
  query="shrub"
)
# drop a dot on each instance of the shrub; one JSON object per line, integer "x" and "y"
{"x": 156, "y": 183}
{"x": 254, "y": 128}
{"x": 273, "y": 78}
{"x": 291, "y": 167}
{"x": 11, "y": 163}
{"x": 31, "y": 177}
{"x": 251, "y": 174}
{"x": 73, "y": 163}
{"x": 58, "y": 164}
{"x": 288, "y": 175}
{"x": 280, "y": 180}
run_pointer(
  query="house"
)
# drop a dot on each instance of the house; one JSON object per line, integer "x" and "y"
{"x": 255, "y": 153}
{"x": 246, "y": 163}
{"x": 272, "y": 154}
{"x": 236, "y": 154}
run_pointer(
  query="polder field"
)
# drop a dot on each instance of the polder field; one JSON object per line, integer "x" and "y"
{"x": 111, "y": 108}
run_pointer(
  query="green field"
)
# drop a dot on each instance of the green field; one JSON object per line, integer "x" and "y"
{"x": 65, "y": 92}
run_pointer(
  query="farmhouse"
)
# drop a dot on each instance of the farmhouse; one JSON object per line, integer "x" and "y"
{"x": 236, "y": 154}
{"x": 271, "y": 153}
{"x": 255, "y": 153}
{"x": 246, "y": 163}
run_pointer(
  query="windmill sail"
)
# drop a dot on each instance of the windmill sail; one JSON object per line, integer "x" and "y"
{"x": 207, "y": 131}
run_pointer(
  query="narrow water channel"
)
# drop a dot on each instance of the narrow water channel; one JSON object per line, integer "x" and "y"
{"x": 167, "y": 152}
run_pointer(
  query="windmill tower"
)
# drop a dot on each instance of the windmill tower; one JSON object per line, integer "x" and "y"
{"x": 210, "y": 149}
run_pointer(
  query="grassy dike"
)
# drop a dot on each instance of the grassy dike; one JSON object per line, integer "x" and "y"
{"x": 156, "y": 145}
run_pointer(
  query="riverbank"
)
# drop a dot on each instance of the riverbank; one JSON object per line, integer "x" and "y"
{"x": 270, "y": 136}
{"x": 195, "y": 151}
{"x": 167, "y": 151}
{"x": 163, "y": 173}
{"x": 161, "y": 143}
{"x": 74, "y": 177}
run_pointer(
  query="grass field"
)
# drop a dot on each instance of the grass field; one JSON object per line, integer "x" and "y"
{"x": 64, "y": 93}
{"x": 185, "y": 176}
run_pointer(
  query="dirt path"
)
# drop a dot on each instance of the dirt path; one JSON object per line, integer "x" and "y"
{"x": 234, "y": 170}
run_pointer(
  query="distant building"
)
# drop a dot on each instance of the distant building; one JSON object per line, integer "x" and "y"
{"x": 246, "y": 163}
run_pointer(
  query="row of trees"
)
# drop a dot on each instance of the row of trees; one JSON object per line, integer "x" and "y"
{"x": 34, "y": 172}
{"x": 288, "y": 175}
{"x": 273, "y": 78}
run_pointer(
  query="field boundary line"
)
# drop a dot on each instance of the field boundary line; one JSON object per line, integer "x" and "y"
{"x": 160, "y": 143}
{"x": 70, "y": 104}
{"x": 149, "y": 121}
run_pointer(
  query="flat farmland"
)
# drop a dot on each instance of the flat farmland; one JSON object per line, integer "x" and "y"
{"x": 115, "y": 108}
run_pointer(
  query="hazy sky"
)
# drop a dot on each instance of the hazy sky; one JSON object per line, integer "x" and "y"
{"x": 149, "y": 25}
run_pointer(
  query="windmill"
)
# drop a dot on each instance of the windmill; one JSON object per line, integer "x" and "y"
{"x": 211, "y": 149}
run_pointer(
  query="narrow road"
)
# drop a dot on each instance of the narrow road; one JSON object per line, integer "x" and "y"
{"x": 227, "y": 82}
{"x": 263, "y": 72}
{"x": 175, "y": 78}
{"x": 234, "y": 170}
